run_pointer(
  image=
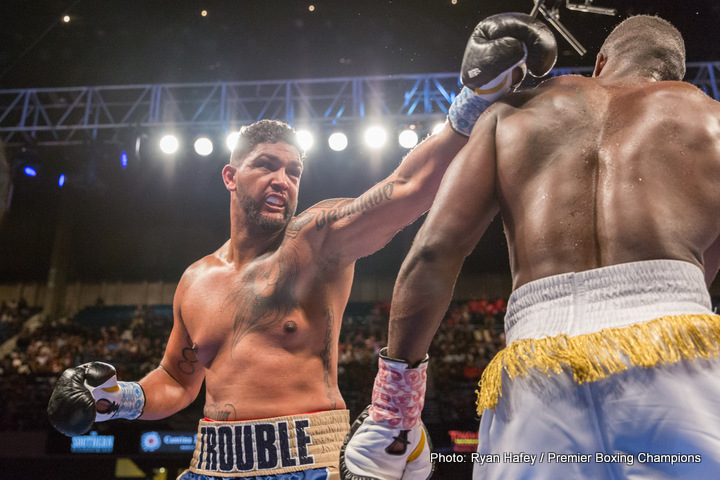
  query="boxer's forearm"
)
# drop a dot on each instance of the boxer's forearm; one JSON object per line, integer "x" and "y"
{"x": 421, "y": 297}
{"x": 419, "y": 175}
{"x": 164, "y": 395}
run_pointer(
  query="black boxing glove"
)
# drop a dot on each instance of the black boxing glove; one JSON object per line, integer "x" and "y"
{"x": 499, "y": 45}
{"x": 91, "y": 393}
{"x": 503, "y": 42}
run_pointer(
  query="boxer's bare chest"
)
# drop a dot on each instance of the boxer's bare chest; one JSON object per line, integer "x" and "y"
{"x": 225, "y": 304}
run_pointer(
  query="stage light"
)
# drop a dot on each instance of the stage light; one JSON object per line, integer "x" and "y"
{"x": 66, "y": 19}
{"x": 375, "y": 136}
{"x": 169, "y": 144}
{"x": 204, "y": 13}
{"x": 61, "y": 180}
{"x": 123, "y": 159}
{"x": 203, "y": 146}
{"x": 408, "y": 138}
{"x": 437, "y": 128}
{"x": 306, "y": 140}
{"x": 30, "y": 171}
{"x": 232, "y": 140}
{"x": 338, "y": 141}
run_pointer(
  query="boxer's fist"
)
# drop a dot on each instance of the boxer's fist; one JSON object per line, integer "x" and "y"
{"x": 388, "y": 441}
{"x": 89, "y": 393}
{"x": 500, "y": 50}
{"x": 375, "y": 451}
{"x": 501, "y": 43}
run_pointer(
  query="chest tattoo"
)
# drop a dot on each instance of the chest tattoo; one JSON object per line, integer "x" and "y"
{"x": 266, "y": 296}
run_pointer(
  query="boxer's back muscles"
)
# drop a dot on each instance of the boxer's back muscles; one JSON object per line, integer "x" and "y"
{"x": 634, "y": 174}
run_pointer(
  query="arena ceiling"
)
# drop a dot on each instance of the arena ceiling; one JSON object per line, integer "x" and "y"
{"x": 151, "y": 223}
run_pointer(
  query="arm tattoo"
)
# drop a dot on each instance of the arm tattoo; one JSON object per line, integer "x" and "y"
{"x": 187, "y": 364}
{"x": 298, "y": 223}
{"x": 215, "y": 412}
{"x": 331, "y": 211}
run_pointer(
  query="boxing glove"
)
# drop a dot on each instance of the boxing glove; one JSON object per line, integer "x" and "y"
{"x": 498, "y": 46}
{"x": 388, "y": 441}
{"x": 91, "y": 393}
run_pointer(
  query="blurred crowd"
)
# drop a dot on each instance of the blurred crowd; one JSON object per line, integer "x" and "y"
{"x": 134, "y": 342}
{"x": 12, "y": 318}
{"x": 29, "y": 372}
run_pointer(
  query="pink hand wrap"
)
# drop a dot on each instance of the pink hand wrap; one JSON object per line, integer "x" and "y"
{"x": 398, "y": 394}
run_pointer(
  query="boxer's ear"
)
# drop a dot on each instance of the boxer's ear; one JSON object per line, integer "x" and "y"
{"x": 229, "y": 173}
{"x": 600, "y": 62}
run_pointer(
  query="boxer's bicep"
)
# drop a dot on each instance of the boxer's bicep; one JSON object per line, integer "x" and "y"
{"x": 180, "y": 359}
{"x": 177, "y": 381}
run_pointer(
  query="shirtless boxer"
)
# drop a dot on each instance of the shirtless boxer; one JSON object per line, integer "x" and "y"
{"x": 609, "y": 190}
{"x": 259, "y": 319}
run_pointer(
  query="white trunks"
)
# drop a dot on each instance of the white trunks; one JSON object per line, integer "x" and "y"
{"x": 611, "y": 373}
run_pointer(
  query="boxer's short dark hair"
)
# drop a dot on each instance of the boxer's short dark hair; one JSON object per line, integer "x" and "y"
{"x": 263, "y": 131}
{"x": 654, "y": 45}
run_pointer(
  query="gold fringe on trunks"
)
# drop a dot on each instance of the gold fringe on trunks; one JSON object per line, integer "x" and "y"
{"x": 598, "y": 355}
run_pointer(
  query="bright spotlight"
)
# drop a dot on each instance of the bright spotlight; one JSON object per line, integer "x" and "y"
{"x": 437, "y": 128}
{"x": 203, "y": 146}
{"x": 232, "y": 140}
{"x": 61, "y": 180}
{"x": 66, "y": 19}
{"x": 169, "y": 144}
{"x": 408, "y": 138}
{"x": 375, "y": 137}
{"x": 338, "y": 141}
{"x": 124, "y": 159}
{"x": 30, "y": 171}
{"x": 306, "y": 139}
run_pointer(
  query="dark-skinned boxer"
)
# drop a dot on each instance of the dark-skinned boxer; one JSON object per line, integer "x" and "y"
{"x": 609, "y": 191}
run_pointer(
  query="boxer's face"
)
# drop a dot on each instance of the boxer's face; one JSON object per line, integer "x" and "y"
{"x": 266, "y": 184}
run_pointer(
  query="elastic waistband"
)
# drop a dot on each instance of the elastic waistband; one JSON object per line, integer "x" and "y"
{"x": 615, "y": 296}
{"x": 270, "y": 446}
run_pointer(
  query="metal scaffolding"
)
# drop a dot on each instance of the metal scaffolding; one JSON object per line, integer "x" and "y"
{"x": 77, "y": 115}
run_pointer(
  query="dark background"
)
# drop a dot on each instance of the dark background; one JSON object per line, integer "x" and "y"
{"x": 151, "y": 220}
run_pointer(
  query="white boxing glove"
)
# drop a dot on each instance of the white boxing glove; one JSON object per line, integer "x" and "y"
{"x": 388, "y": 441}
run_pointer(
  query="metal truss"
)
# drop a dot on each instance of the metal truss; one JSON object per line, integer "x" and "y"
{"x": 78, "y": 115}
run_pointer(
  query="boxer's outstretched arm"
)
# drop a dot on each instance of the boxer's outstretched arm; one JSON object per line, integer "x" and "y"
{"x": 464, "y": 207}
{"x": 176, "y": 382}
{"x": 358, "y": 227}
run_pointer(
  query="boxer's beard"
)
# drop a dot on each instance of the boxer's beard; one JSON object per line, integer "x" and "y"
{"x": 252, "y": 209}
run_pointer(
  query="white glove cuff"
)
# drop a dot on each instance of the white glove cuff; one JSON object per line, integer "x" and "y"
{"x": 125, "y": 399}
